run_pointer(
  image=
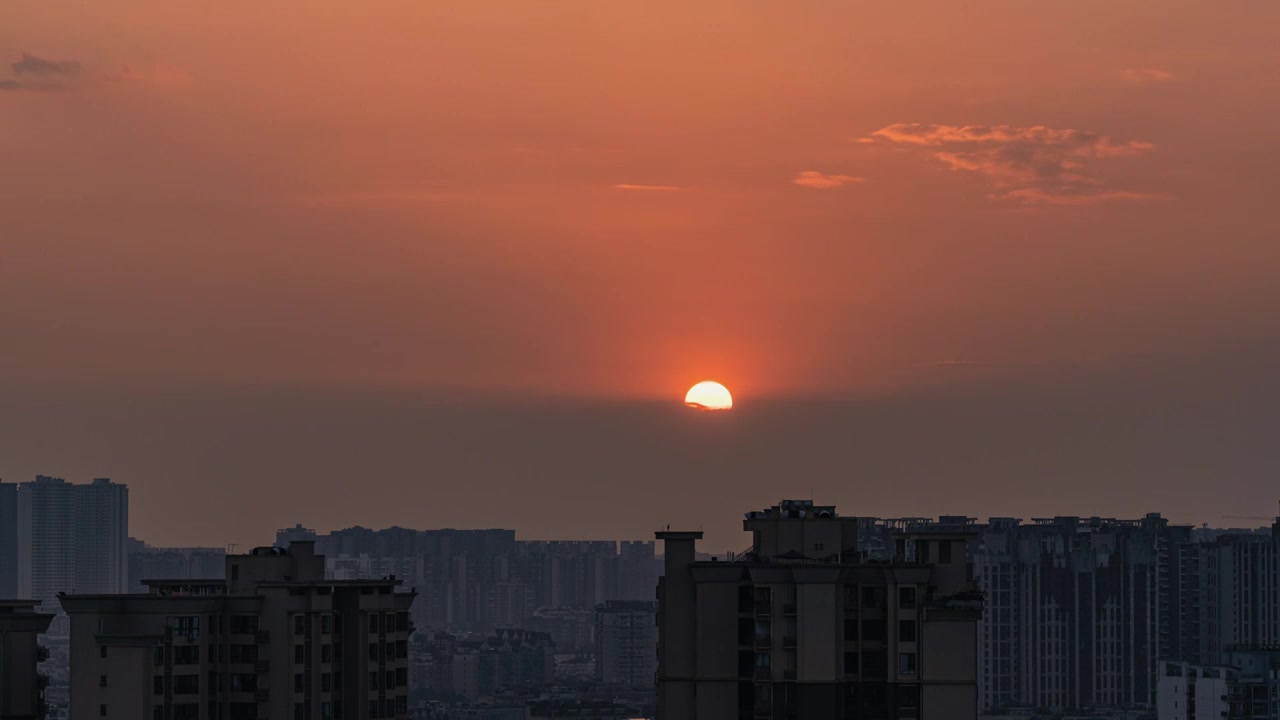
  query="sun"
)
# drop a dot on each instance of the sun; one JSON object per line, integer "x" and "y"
{"x": 709, "y": 395}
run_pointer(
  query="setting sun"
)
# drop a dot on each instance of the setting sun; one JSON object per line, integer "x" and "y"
{"x": 709, "y": 395}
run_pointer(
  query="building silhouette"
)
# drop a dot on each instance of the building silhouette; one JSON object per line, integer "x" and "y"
{"x": 8, "y": 540}
{"x": 71, "y": 538}
{"x": 803, "y": 626}
{"x": 275, "y": 639}
{"x": 21, "y": 684}
{"x": 627, "y": 643}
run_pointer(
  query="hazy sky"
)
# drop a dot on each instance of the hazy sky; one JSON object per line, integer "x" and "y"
{"x": 441, "y": 262}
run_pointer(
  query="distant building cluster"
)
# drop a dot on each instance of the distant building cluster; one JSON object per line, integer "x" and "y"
{"x": 823, "y": 616}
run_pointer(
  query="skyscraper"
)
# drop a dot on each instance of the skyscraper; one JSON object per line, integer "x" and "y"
{"x": 8, "y": 540}
{"x": 71, "y": 538}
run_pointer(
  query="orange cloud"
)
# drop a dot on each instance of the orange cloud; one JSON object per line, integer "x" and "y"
{"x": 650, "y": 188}
{"x": 1034, "y": 165}
{"x": 1146, "y": 76}
{"x": 820, "y": 181}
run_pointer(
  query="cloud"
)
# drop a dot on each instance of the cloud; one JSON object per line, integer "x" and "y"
{"x": 820, "y": 181}
{"x": 38, "y": 74}
{"x": 1147, "y": 76}
{"x": 1032, "y": 165}
{"x": 649, "y": 188}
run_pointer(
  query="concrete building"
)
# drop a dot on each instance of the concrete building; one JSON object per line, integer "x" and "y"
{"x": 627, "y": 643}
{"x": 1245, "y": 687}
{"x": 275, "y": 639}
{"x": 21, "y": 684}
{"x": 8, "y": 540}
{"x": 802, "y": 627}
{"x": 173, "y": 563}
{"x": 284, "y": 536}
{"x": 72, "y": 538}
{"x": 1079, "y": 610}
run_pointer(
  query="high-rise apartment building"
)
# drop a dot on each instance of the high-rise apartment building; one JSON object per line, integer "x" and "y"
{"x": 8, "y": 540}
{"x": 803, "y": 627}
{"x": 274, "y": 639}
{"x": 21, "y": 684}
{"x": 627, "y": 643}
{"x": 71, "y": 538}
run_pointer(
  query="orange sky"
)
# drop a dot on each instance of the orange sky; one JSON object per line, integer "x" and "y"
{"x": 616, "y": 199}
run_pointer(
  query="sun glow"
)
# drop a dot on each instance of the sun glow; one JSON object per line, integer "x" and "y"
{"x": 709, "y": 395}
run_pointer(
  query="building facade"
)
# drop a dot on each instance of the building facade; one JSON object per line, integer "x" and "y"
{"x": 8, "y": 540}
{"x": 275, "y": 639}
{"x": 1246, "y": 687}
{"x": 71, "y": 538}
{"x": 627, "y": 643}
{"x": 803, "y": 627}
{"x": 21, "y": 684}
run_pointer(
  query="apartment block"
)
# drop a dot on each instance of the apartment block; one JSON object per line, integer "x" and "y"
{"x": 274, "y": 639}
{"x": 802, "y": 626}
{"x": 627, "y": 643}
{"x": 21, "y": 684}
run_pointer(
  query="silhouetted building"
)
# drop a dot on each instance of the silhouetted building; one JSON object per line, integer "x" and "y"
{"x": 21, "y": 684}
{"x": 285, "y": 536}
{"x": 801, "y": 626}
{"x": 72, "y": 538}
{"x": 8, "y": 540}
{"x": 275, "y": 639}
{"x": 193, "y": 563}
{"x": 627, "y": 643}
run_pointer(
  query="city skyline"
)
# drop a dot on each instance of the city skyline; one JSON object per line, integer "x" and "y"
{"x": 474, "y": 256}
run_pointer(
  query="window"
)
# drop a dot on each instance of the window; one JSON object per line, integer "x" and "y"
{"x": 299, "y": 712}
{"x": 373, "y": 652}
{"x": 102, "y": 681}
{"x": 297, "y": 682}
{"x": 871, "y": 596}
{"x": 235, "y": 571}
{"x": 157, "y": 712}
{"x": 102, "y": 651}
{"x": 907, "y": 630}
{"x": 326, "y": 682}
{"x": 390, "y": 682}
{"x": 299, "y": 625}
{"x": 944, "y": 552}
{"x": 373, "y": 709}
{"x": 186, "y": 654}
{"x": 402, "y": 677}
{"x": 373, "y": 680}
{"x": 158, "y": 656}
{"x": 373, "y": 622}
{"x": 186, "y": 684}
{"x": 326, "y": 653}
{"x": 157, "y": 685}
{"x": 851, "y": 663}
{"x": 873, "y": 630}
{"x": 326, "y": 624}
{"x": 326, "y": 711}
{"x": 850, "y": 630}
{"x": 299, "y": 655}
{"x": 906, "y": 663}
{"x": 906, "y": 598}
{"x": 102, "y": 710}
{"x": 390, "y": 652}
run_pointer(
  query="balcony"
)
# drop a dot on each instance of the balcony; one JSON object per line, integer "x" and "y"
{"x": 764, "y": 607}
{"x": 763, "y": 673}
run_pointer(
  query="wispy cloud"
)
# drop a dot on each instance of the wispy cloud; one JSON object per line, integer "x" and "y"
{"x": 1147, "y": 76}
{"x": 648, "y": 188}
{"x": 821, "y": 181}
{"x": 1031, "y": 165}
{"x": 41, "y": 75}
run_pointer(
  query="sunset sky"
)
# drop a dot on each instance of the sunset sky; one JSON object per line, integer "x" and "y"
{"x": 444, "y": 263}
